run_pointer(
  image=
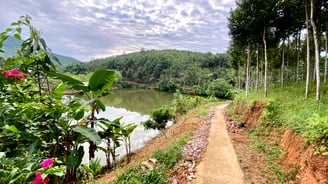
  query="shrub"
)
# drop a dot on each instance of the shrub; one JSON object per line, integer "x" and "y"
{"x": 136, "y": 175}
{"x": 219, "y": 88}
{"x": 169, "y": 156}
{"x": 160, "y": 117}
{"x": 316, "y": 132}
{"x": 271, "y": 114}
{"x": 167, "y": 85}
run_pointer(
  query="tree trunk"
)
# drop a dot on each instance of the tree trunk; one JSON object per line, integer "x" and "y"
{"x": 257, "y": 69}
{"x": 326, "y": 60}
{"x": 282, "y": 64}
{"x": 239, "y": 78}
{"x": 247, "y": 69}
{"x": 317, "y": 51}
{"x": 265, "y": 64}
{"x": 298, "y": 56}
{"x": 307, "y": 53}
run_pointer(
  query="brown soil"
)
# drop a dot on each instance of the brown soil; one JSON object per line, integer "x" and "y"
{"x": 299, "y": 158}
{"x": 251, "y": 162}
{"x": 312, "y": 168}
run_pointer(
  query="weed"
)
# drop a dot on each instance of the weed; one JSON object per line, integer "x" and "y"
{"x": 136, "y": 175}
{"x": 169, "y": 156}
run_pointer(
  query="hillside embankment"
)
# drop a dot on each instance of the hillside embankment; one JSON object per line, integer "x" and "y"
{"x": 299, "y": 161}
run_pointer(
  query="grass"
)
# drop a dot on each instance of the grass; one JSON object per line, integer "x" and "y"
{"x": 203, "y": 111}
{"x": 272, "y": 152}
{"x": 293, "y": 109}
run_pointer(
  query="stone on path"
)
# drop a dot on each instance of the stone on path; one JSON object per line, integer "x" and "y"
{"x": 219, "y": 164}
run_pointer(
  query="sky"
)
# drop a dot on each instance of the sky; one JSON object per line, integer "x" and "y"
{"x": 89, "y": 29}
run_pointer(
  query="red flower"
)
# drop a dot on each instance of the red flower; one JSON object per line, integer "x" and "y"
{"x": 15, "y": 74}
{"x": 38, "y": 179}
{"x": 46, "y": 163}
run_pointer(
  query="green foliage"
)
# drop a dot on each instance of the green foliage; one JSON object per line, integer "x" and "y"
{"x": 316, "y": 132}
{"x": 159, "y": 118}
{"x": 169, "y": 156}
{"x": 271, "y": 114}
{"x": 168, "y": 70}
{"x": 36, "y": 121}
{"x": 136, "y": 175}
{"x": 94, "y": 167}
{"x": 183, "y": 103}
{"x": 287, "y": 107}
{"x": 219, "y": 88}
{"x": 167, "y": 85}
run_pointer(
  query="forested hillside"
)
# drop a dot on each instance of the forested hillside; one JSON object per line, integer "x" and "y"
{"x": 166, "y": 69}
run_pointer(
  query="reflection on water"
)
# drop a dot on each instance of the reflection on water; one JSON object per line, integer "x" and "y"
{"x": 134, "y": 106}
{"x": 138, "y": 100}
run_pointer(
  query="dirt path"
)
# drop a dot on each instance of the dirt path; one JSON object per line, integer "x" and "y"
{"x": 219, "y": 164}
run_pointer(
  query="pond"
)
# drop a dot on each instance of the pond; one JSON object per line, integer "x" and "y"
{"x": 134, "y": 106}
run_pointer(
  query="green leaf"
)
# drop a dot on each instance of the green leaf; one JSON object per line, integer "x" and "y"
{"x": 2, "y": 155}
{"x": 17, "y": 36}
{"x": 9, "y": 29}
{"x": 58, "y": 92}
{"x": 81, "y": 87}
{"x": 43, "y": 43}
{"x": 3, "y": 36}
{"x": 101, "y": 80}
{"x": 75, "y": 158}
{"x": 58, "y": 171}
{"x": 65, "y": 78}
{"x": 100, "y": 105}
{"x": 19, "y": 30}
{"x": 89, "y": 133}
{"x": 79, "y": 115}
{"x": 11, "y": 128}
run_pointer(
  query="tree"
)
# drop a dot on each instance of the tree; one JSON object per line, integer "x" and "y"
{"x": 159, "y": 118}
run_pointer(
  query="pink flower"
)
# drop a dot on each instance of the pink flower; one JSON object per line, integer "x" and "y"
{"x": 6, "y": 73}
{"x": 38, "y": 179}
{"x": 46, "y": 163}
{"x": 15, "y": 74}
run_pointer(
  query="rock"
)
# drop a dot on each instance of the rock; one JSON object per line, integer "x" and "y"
{"x": 149, "y": 164}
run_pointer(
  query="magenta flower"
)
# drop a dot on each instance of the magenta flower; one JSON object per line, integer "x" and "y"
{"x": 38, "y": 179}
{"x": 15, "y": 74}
{"x": 46, "y": 163}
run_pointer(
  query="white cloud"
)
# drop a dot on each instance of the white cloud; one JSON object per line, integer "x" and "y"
{"x": 87, "y": 29}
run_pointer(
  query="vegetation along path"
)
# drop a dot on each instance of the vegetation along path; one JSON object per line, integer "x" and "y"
{"x": 219, "y": 164}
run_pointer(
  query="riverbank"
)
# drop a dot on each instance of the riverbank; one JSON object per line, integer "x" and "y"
{"x": 185, "y": 124}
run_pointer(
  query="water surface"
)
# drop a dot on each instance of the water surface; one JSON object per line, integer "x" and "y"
{"x": 134, "y": 106}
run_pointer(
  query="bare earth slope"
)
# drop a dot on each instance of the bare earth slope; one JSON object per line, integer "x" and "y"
{"x": 219, "y": 164}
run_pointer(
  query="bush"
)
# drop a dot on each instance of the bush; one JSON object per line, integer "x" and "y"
{"x": 160, "y": 117}
{"x": 136, "y": 175}
{"x": 169, "y": 156}
{"x": 272, "y": 113}
{"x": 219, "y": 88}
{"x": 316, "y": 132}
{"x": 167, "y": 85}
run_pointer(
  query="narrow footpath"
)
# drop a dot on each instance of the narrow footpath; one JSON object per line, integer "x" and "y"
{"x": 219, "y": 164}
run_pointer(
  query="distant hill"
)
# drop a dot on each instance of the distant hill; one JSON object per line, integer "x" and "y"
{"x": 11, "y": 45}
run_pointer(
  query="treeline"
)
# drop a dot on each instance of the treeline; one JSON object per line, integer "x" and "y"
{"x": 166, "y": 70}
{"x": 280, "y": 41}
